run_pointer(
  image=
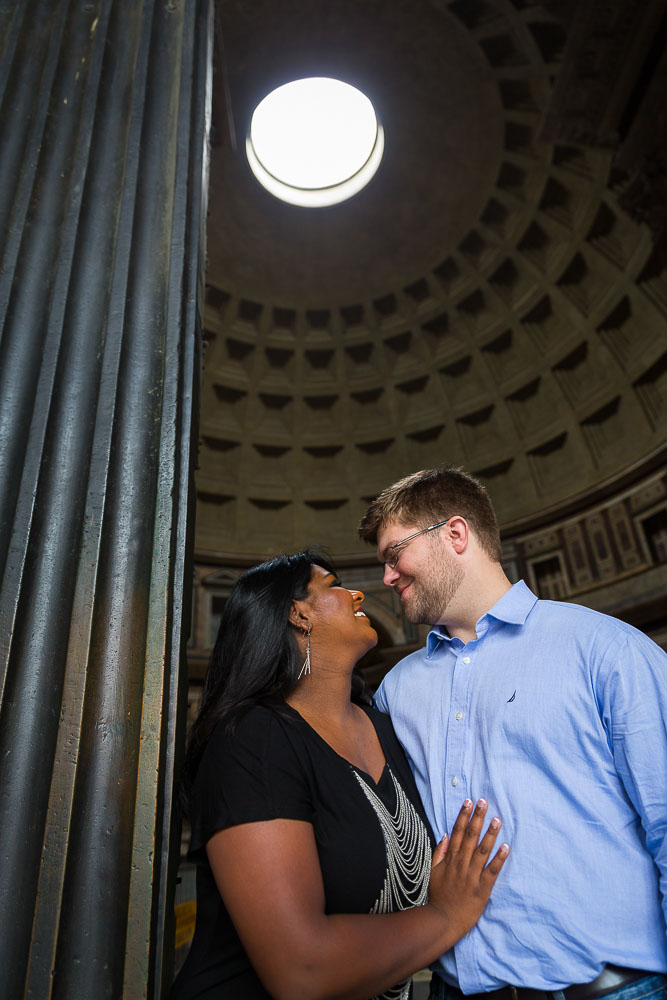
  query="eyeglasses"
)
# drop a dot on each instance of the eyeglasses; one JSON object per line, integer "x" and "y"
{"x": 391, "y": 556}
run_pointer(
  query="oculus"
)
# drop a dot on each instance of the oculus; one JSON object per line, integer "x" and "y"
{"x": 314, "y": 142}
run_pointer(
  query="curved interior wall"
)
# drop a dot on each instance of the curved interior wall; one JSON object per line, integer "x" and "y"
{"x": 610, "y": 555}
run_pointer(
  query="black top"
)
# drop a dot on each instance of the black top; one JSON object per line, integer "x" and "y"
{"x": 275, "y": 766}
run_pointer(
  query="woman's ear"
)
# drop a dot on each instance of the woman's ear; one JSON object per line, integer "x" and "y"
{"x": 296, "y": 616}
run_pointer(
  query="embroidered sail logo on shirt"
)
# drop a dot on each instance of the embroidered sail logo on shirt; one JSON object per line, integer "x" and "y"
{"x": 512, "y": 698}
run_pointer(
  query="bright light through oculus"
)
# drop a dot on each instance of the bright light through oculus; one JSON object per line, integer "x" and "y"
{"x": 314, "y": 142}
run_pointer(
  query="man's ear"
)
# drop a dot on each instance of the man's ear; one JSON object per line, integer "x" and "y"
{"x": 459, "y": 533}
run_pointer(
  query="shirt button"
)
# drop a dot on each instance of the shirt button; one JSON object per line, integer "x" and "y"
{"x": 459, "y": 716}
{"x": 466, "y": 659}
{"x": 454, "y": 781}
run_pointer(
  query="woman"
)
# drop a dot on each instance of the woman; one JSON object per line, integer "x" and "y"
{"x": 313, "y": 851}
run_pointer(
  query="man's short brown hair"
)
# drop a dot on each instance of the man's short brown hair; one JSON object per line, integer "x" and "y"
{"x": 432, "y": 495}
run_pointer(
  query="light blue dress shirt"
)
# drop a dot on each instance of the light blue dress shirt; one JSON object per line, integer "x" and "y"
{"x": 558, "y": 716}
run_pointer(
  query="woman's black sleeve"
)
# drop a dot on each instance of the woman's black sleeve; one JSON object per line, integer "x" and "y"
{"x": 253, "y": 774}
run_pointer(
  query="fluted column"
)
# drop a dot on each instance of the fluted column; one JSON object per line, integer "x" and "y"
{"x": 104, "y": 110}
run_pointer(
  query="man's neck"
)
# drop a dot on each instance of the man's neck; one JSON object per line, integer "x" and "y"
{"x": 476, "y": 596}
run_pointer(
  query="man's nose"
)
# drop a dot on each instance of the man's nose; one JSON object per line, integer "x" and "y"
{"x": 390, "y": 575}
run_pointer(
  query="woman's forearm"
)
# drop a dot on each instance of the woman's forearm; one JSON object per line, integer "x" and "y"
{"x": 269, "y": 876}
{"x": 356, "y": 956}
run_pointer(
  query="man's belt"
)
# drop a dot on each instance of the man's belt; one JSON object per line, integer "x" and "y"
{"x": 612, "y": 977}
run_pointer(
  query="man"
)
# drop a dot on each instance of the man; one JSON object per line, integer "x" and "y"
{"x": 557, "y": 715}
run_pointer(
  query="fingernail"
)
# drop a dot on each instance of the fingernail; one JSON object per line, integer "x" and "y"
{"x": 495, "y": 823}
{"x": 504, "y": 849}
{"x": 467, "y": 803}
{"x": 481, "y": 803}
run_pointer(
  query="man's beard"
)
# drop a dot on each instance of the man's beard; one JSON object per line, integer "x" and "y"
{"x": 428, "y": 598}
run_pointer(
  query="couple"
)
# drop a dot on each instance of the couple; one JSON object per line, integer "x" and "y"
{"x": 317, "y": 876}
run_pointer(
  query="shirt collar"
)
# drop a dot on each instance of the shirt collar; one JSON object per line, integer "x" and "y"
{"x": 513, "y": 608}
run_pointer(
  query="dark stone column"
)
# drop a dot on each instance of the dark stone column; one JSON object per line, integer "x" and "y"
{"x": 104, "y": 111}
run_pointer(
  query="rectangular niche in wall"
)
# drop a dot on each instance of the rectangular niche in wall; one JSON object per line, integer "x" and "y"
{"x": 548, "y": 577}
{"x": 655, "y": 531}
{"x": 216, "y": 607}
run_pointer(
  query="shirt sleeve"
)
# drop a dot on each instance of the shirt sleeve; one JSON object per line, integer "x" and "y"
{"x": 380, "y": 699}
{"x": 634, "y": 712}
{"x": 255, "y": 773}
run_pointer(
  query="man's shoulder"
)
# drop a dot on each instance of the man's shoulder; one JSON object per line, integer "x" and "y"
{"x": 559, "y": 612}
{"x": 403, "y": 667}
{"x": 597, "y": 635}
{"x": 399, "y": 677}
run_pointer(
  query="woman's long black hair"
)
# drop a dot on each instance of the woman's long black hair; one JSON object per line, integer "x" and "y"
{"x": 256, "y": 659}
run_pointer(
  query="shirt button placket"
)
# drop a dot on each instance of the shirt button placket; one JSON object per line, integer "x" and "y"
{"x": 456, "y": 738}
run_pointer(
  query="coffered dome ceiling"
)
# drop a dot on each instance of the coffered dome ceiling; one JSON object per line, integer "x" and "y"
{"x": 485, "y": 301}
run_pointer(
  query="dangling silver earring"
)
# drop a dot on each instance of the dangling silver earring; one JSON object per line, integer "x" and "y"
{"x": 305, "y": 669}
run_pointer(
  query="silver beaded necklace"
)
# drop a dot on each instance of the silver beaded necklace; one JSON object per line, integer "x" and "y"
{"x": 408, "y": 861}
